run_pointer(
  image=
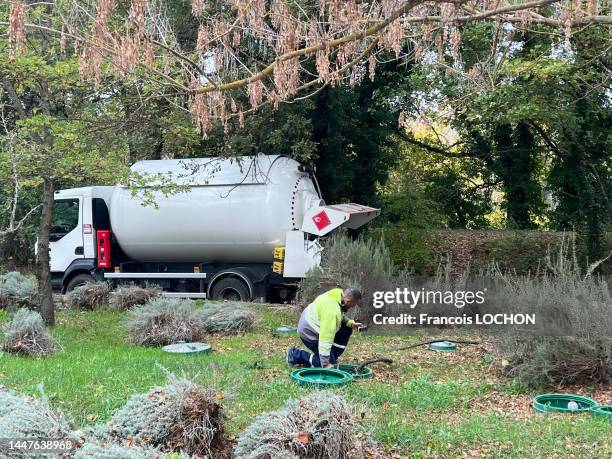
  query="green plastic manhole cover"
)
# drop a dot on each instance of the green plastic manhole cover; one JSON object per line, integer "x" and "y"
{"x": 364, "y": 373}
{"x": 562, "y": 403}
{"x": 286, "y": 329}
{"x": 321, "y": 377}
{"x": 188, "y": 348}
{"x": 446, "y": 346}
{"x": 603, "y": 411}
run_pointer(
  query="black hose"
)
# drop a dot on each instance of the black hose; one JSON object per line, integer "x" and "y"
{"x": 424, "y": 343}
{"x": 386, "y": 360}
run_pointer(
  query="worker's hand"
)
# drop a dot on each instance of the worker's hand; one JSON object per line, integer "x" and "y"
{"x": 357, "y": 325}
{"x": 329, "y": 365}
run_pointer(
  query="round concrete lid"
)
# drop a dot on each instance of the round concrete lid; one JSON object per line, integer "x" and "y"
{"x": 443, "y": 346}
{"x": 188, "y": 348}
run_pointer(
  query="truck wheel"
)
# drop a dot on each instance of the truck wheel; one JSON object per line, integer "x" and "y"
{"x": 78, "y": 280}
{"x": 230, "y": 289}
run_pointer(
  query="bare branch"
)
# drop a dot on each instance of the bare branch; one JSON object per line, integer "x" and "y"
{"x": 444, "y": 151}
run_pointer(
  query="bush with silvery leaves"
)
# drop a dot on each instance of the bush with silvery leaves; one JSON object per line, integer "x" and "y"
{"x": 16, "y": 290}
{"x": 26, "y": 334}
{"x": 227, "y": 318}
{"x": 29, "y": 417}
{"x": 165, "y": 321}
{"x": 178, "y": 416}
{"x": 318, "y": 426}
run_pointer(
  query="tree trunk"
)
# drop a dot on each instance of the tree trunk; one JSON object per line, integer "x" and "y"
{"x": 45, "y": 292}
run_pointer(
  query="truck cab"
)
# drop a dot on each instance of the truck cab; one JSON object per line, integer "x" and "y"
{"x": 78, "y": 214}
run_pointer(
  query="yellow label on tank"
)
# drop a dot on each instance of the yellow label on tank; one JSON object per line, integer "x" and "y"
{"x": 277, "y": 267}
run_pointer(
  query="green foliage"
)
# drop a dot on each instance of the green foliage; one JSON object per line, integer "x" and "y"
{"x": 90, "y": 296}
{"x": 165, "y": 321}
{"x": 16, "y": 290}
{"x": 525, "y": 252}
{"x": 537, "y": 122}
{"x": 128, "y": 296}
{"x": 180, "y": 415}
{"x": 227, "y": 318}
{"x": 318, "y": 426}
{"x": 26, "y": 335}
{"x": 521, "y": 252}
{"x": 355, "y": 147}
{"x": 410, "y": 249}
{"x": 426, "y": 190}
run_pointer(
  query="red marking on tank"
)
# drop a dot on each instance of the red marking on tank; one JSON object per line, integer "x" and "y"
{"x": 321, "y": 220}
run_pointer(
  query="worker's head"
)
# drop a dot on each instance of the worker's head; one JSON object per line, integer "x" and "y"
{"x": 351, "y": 297}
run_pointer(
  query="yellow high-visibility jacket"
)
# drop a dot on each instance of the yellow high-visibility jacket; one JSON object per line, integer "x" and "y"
{"x": 321, "y": 320}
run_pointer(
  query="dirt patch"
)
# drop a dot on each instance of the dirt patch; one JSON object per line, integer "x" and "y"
{"x": 518, "y": 406}
{"x": 465, "y": 363}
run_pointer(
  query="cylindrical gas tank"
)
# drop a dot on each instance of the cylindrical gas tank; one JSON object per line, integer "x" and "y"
{"x": 228, "y": 209}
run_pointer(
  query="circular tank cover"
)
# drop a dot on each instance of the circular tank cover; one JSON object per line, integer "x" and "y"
{"x": 446, "y": 346}
{"x": 188, "y": 348}
{"x": 321, "y": 377}
{"x": 286, "y": 329}
{"x": 562, "y": 403}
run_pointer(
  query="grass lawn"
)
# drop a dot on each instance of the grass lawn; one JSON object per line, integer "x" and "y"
{"x": 425, "y": 405}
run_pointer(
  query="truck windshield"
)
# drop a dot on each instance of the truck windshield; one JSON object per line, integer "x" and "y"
{"x": 65, "y": 218}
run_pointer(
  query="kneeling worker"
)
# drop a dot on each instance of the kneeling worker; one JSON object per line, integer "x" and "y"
{"x": 324, "y": 329}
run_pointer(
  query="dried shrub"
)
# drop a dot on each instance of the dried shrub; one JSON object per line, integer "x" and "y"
{"x": 28, "y": 417}
{"x": 577, "y": 347}
{"x": 165, "y": 321}
{"x": 128, "y": 296}
{"x": 319, "y": 426}
{"x": 27, "y": 335}
{"x": 557, "y": 360}
{"x": 179, "y": 416}
{"x": 89, "y": 296}
{"x": 16, "y": 291}
{"x": 227, "y": 318}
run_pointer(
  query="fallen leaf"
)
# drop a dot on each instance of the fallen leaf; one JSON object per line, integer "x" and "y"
{"x": 302, "y": 437}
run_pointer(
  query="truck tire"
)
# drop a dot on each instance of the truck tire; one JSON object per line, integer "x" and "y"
{"x": 230, "y": 289}
{"x": 78, "y": 280}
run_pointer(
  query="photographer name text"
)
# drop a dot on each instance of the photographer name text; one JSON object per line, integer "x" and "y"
{"x": 477, "y": 319}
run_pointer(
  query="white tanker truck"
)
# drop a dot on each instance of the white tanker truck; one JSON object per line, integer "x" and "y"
{"x": 229, "y": 229}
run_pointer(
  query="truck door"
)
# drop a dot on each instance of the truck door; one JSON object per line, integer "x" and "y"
{"x": 66, "y": 237}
